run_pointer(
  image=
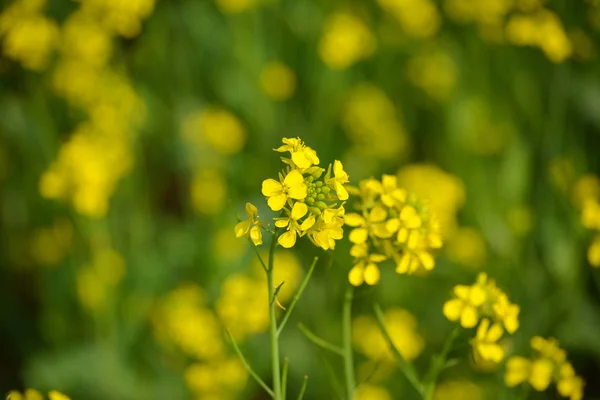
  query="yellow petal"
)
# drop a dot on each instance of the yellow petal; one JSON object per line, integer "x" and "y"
{"x": 377, "y": 214}
{"x": 453, "y": 309}
{"x": 469, "y": 317}
{"x": 288, "y": 239}
{"x": 427, "y": 260}
{"x": 477, "y": 296}
{"x": 311, "y": 155}
{"x": 342, "y": 193}
{"x": 517, "y": 371}
{"x": 293, "y": 178}
{"x": 56, "y": 395}
{"x": 376, "y": 258}
{"x": 462, "y": 291}
{"x": 277, "y": 202}
{"x": 354, "y": 219}
{"x": 300, "y": 159}
{"x": 359, "y": 250}
{"x": 299, "y": 210}
{"x": 381, "y": 231}
{"x": 393, "y": 224}
{"x": 242, "y": 228}
{"x": 371, "y": 274}
{"x": 403, "y": 266}
{"x": 541, "y": 374}
{"x": 298, "y": 192}
{"x": 282, "y": 222}
{"x": 402, "y": 235}
{"x": 251, "y": 211}
{"x": 14, "y": 395}
{"x": 358, "y": 235}
{"x": 338, "y": 172}
{"x": 490, "y": 351}
{"x": 356, "y": 275}
{"x": 495, "y": 333}
{"x": 270, "y": 187}
{"x": 308, "y": 223}
{"x": 389, "y": 182}
{"x": 32, "y": 394}
{"x": 256, "y": 235}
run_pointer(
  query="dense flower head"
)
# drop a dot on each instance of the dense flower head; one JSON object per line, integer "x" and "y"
{"x": 547, "y": 365}
{"x": 390, "y": 224}
{"x": 485, "y": 304}
{"x": 308, "y": 197}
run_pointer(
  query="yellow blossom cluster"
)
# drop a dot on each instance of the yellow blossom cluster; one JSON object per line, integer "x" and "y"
{"x": 419, "y": 18}
{"x": 183, "y": 321}
{"x": 435, "y": 72}
{"x": 485, "y": 304}
{"x": 346, "y": 40}
{"x": 373, "y": 124}
{"x": 586, "y": 195}
{"x": 96, "y": 280}
{"x": 98, "y": 153}
{"x": 548, "y": 364}
{"x": 213, "y": 134}
{"x": 307, "y": 197}
{"x": 32, "y": 394}
{"x": 391, "y": 224}
{"x": 402, "y": 328}
{"x": 541, "y": 29}
{"x": 27, "y": 35}
{"x": 241, "y": 306}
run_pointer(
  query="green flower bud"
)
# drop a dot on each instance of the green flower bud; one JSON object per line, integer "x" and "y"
{"x": 314, "y": 210}
{"x": 321, "y": 196}
{"x": 321, "y": 205}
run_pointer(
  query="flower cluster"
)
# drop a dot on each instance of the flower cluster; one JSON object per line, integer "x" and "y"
{"x": 307, "y": 197}
{"x": 486, "y": 304}
{"x": 390, "y": 224}
{"x": 548, "y": 364}
{"x": 419, "y": 18}
{"x": 32, "y": 394}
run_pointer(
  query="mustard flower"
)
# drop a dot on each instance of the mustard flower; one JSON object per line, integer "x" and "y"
{"x": 302, "y": 156}
{"x": 299, "y": 210}
{"x": 486, "y": 344}
{"x": 340, "y": 177}
{"x": 508, "y": 313}
{"x": 32, "y": 394}
{"x": 251, "y": 227}
{"x": 366, "y": 270}
{"x": 292, "y": 186}
{"x": 464, "y": 306}
{"x": 329, "y": 228}
{"x": 569, "y": 384}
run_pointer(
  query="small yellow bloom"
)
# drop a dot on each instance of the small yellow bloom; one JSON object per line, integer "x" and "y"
{"x": 337, "y": 181}
{"x": 278, "y": 81}
{"x": 329, "y": 228}
{"x": 508, "y": 313}
{"x": 303, "y": 156}
{"x": 486, "y": 341}
{"x": 541, "y": 374}
{"x": 251, "y": 227}
{"x": 299, "y": 210}
{"x": 56, "y": 395}
{"x": 366, "y": 270}
{"x": 593, "y": 253}
{"x": 518, "y": 370}
{"x": 570, "y": 385}
{"x": 292, "y": 186}
{"x": 464, "y": 307}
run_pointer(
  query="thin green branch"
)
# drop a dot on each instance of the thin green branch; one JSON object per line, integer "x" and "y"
{"x": 273, "y": 322}
{"x": 406, "y": 368}
{"x": 439, "y": 363}
{"x": 303, "y": 388}
{"x": 320, "y": 342}
{"x": 347, "y": 343}
{"x": 284, "y": 375}
{"x": 248, "y": 367}
{"x": 259, "y": 257}
{"x": 297, "y": 296}
{"x": 277, "y": 289}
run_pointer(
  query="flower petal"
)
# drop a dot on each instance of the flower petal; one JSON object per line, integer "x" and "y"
{"x": 299, "y": 210}
{"x": 356, "y": 275}
{"x": 270, "y": 187}
{"x": 277, "y": 202}
{"x": 288, "y": 239}
{"x": 342, "y": 193}
{"x": 453, "y": 309}
{"x": 354, "y": 219}
{"x": 256, "y": 235}
{"x": 469, "y": 317}
{"x": 251, "y": 211}
{"x": 298, "y": 192}
{"x": 372, "y": 274}
{"x": 242, "y": 228}
{"x": 541, "y": 374}
{"x": 293, "y": 178}
{"x": 282, "y": 222}
{"x": 308, "y": 223}
{"x": 301, "y": 160}
{"x": 358, "y": 235}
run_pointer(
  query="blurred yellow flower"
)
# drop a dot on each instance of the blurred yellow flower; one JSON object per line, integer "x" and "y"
{"x": 216, "y": 128}
{"x": 277, "y": 81}
{"x": 95, "y": 280}
{"x": 402, "y": 327}
{"x": 467, "y": 247}
{"x": 593, "y": 253}
{"x": 226, "y": 247}
{"x": 251, "y": 227}
{"x": 277, "y": 193}
{"x": 84, "y": 39}
{"x": 221, "y": 378}
{"x": 49, "y": 245}
{"x": 346, "y": 40}
{"x": 435, "y": 72}
{"x": 208, "y": 192}
{"x": 32, "y": 394}
{"x": 120, "y": 17}
{"x": 293, "y": 225}
{"x": 586, "y": 188}
{"x": 464, "y": 306}
{"x": 367, "y": 391}
{"x": 56, "y": 395}
{"x": 486, "y": 340}
{"x": 418, "y": 18}
{"x": 459, "y": 389}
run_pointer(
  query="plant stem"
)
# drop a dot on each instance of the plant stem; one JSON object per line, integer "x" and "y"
{"x": 438, "y": 364}
{"x": 303, "y": 388}
{"x": 405, "y": 367}
{"x": 320, "y": 342}
{"x": 273, "y": 324}
{"x": 347, "y": 343}
{"x": 297, "y": 296}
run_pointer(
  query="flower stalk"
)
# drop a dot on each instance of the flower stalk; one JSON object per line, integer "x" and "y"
{"x": 347, "y": 343}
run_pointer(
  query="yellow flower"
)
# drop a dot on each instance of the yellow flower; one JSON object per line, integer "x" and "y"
{"x": 541, "y": 374}
{"x": 292, "y": 186}
{"x": 32, "y": 394}
{"x": 299, "y": 210}
{"x": 548, "y": 348}
{"x": 31, "y": 41}
{"x": 373, "y": 223}
{"x": 459, "y": 389}
{"x": 419, "y": 18}
{"x": 366, "y": 270}
{"x": 345, "y": 41}
{"x": 366, "y": 391}
{"x": 56, "y": 395}
{"x": 251, "y": 227}
{"x": 208, "y": 192}
{"x": 486, "y": 344}
{"x": 337, "y": 181}
{"x": 467, "y": 247}
{"x": 328, "y": 228}
{"x": 508, "y": 313}
{"x": 593, "y": 253}
{"x": 464, "y": 307}
{"x": 216, "y": 127}
{"x": 303, "y": 157}
{"x": 277, "y": 81}
{"x": 569, "y": 384}
{"x": 518, "y": 370}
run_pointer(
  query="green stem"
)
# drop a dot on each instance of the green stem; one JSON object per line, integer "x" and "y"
{"x": 347, "y": 343}
{"x": 297, "y": 296}
{"x": 273, "y": 324}
{"x": 407, "y": 369}
{"x": 303, "y": 388}
{"x": 248, "y": 367}
{"x": 284, "y": 374}
{"x": 438, "y": 364}
{"x": 320, "y": 342}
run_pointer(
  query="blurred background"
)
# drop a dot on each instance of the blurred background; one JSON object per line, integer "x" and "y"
{"x": 133, "y": 132}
